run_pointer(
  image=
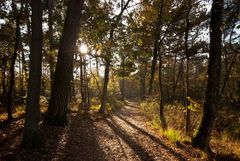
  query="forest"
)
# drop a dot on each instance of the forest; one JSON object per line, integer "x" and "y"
{"x": 119, "y": 80}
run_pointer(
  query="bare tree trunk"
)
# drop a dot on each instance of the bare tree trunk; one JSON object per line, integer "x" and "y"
{"x": 187, "y": 123}
{"x": 180, "y": 77}
{"x": 143, "y": 72}
{"x": 22, "y": 75}
{"x": 4, "y": 88}
{"x": 123, "y": 79}
{"x": 161, "y": 104}
{"x": 13, "y": 60}
{"x": 97, "y": 66}
{"x": 83, "y": 85}
{"x": 174, "y": 79}
{"x": 228, "y": 68}
{"x": 210, "y": 107}
{"x": 153, "y": 68}
{"x": 97, "y": 83}
{"x": 156, "y": 46}
{"x": 61, "y": 89}
{"x": 24, "y": 71}
{"x": 86, "y": 90}
{"x": 51, "y": 48}
{"x": 105, "y": 84}
{"x": 31, "y": 137}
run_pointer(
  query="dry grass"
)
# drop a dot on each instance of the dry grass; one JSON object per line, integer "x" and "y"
{"x": 226, "y": 133}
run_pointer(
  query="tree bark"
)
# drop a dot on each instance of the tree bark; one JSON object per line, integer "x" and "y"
{"x": 83, "y": 85}
{"x": 51, "y": 48}
{"x": 123, "y": 79}
{"x": 174, "y": 82}
{"x": 161, "y": 103}
{"x": 156, "y": 46}
{"x": 86, "y": 89}
{"x": 210, "y": 107}
{"x": 4, "y": 88}
{"x": 187, "y": 122}
{"x": 13, "y": 60}
{"x": 143, "y": 72}
{"x": 61, "y": 89}
{"x": 31, "y": 137}
{"x": 105, "y": 84}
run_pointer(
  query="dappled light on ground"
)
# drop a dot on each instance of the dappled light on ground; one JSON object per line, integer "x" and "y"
{"x": 121, "y": 136}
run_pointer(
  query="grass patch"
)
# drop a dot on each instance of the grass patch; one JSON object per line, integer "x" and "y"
{"x": 225, "y": 135}
{"x": 173, "y": 135}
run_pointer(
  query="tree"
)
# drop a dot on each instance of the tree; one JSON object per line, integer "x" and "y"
{"x": 186, "y": 48}
{"x": 13, "y": 60}
{"x": 202, "y": 138}
{"x": 108, "y": 58}
{"x": 61, "y": 89}
{"x": 160, "y": 53}
{"x": 157, "y": 34}
{"x": 31, "y": 137}
{"x": 51, "y": 41}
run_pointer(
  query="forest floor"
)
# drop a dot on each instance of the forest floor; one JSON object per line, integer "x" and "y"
{"x": 122, "y": 136}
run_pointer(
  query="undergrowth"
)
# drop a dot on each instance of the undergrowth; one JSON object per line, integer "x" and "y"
{"x": 226, "y": 133}
{"x": 112, "y": 105}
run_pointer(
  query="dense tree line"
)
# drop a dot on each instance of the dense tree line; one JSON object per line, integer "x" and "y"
{"x": 170, "y": 50}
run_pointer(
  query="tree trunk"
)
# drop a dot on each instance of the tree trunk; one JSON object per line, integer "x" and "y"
{"x": 187, "y": 99}
{"x": 210, "y": 107}
{"x": 174, "y": 79}
{"x": 143, "y": 72}
{"x": 21, "y": 75}
{"x": 153, "y": 68}
{"x": 4, "y": 88}
{"x": 228, "y": 71}
{"x": 83, "y": 83}
{"x": 105, "y": 84}
{"x": 31, "y": 137}
{"x": 161, "y": 104}
{"x": 61, "y": 89}
{"x": 86, "y": 90}
{"x": 97, "y": 66}
{"x": 51, "y": 48}
{"x": 156, "y": 46}
{"x": 123, "y": 79}
{"x": 13, "y": 60}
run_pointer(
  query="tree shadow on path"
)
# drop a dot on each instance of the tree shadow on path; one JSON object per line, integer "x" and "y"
{"x": 79, "y": 142}
{"x": 153, "y": 138}
{"x": 138, "y": 150}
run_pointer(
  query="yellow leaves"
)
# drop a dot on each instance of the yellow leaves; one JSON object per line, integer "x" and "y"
{"x": 193, "y": 105}
{"x": 139, "y": 42}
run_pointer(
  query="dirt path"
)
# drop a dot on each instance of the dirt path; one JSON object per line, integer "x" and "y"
{"x": 120, "y": 137}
